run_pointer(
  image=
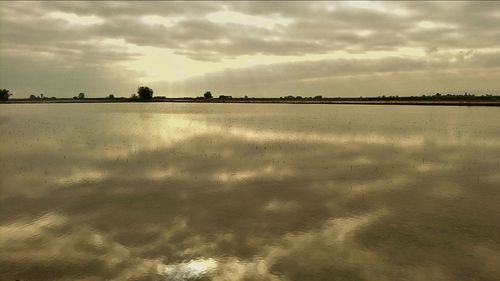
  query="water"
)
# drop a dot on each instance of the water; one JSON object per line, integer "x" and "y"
{"x": 249, "y": 192}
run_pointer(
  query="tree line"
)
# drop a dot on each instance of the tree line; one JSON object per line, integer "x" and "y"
{"x": 143, "y": 92}
{"x": 146, "y": 93}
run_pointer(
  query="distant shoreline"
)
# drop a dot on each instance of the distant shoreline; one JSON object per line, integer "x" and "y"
{"x": 346, "y": 101}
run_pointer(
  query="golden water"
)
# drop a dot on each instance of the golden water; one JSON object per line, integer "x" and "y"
{"x": 249, "y": 192}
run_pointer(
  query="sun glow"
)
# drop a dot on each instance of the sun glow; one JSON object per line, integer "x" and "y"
{"x": 188, "y": 270}
{"x": 160, "y": 64}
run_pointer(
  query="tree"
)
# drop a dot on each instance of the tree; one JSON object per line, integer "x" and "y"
{"x": 33, "y": 97}
{"x": 4, "y": 94}
{"x": 81, "y": 95}
{"x": 207, "y": 95}
{"x": 145, "y": 92}
{"x": 111, "y": 96}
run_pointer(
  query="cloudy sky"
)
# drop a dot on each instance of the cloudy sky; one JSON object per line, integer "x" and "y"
{"x": 249, "y": 48}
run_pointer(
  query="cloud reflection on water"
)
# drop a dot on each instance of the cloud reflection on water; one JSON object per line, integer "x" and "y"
{"x": 235, "y": 192}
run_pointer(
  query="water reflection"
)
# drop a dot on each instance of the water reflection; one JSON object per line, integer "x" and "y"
{"x": 249, "y": 192}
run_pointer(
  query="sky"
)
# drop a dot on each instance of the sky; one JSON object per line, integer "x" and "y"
{"x": 259, "y": 49}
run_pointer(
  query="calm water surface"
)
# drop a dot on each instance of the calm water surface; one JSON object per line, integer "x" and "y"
{"x": 249, "y": 192}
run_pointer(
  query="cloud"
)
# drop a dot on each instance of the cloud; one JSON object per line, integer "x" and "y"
{"x": 391, "y": 24}
{"x": 67, "y": 74}
{"x": 461, "y": 71}
{"x": 215, "y": 33}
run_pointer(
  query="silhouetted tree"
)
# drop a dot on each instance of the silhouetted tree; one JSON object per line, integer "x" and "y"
{"x": 33, "y": 97}
{"x": 134, "y": 96}
{"x": 111, "y": 96}
{"x": 145, "y": 92}
{"x": 4, "y": 94}
{"x": 207, "y": 95}
{"x": 81, "y": 95}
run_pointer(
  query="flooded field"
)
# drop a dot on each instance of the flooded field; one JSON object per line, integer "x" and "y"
{"x": 249, "y": 192}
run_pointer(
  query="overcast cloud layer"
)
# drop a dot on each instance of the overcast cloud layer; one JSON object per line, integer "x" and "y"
{"x": 249, "y": 48}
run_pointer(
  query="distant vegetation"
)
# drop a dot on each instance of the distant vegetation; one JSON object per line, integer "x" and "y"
{"x": 145, "y": 92}
{"x": 439, "y": 97}
{"x": 80, "y": 96}
{"x": 4, "y": 94}
{"x": 435, "y": 97}
{"x": 41, "y": 97}
{"x": 207, "y": 95}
